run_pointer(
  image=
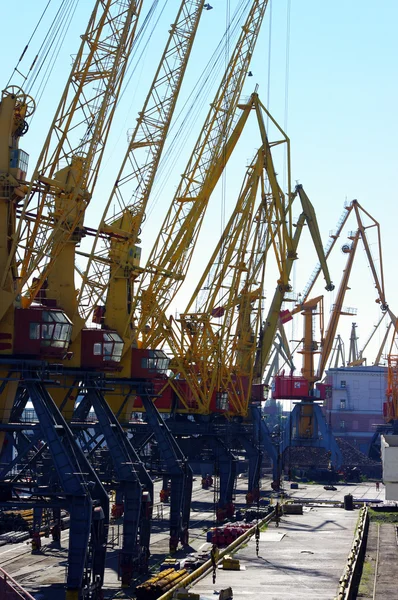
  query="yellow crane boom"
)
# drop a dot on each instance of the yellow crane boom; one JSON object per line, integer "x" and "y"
{"x": 201, "y": 341}
{"x": 215, "y": 346}
{"x": 68, "y": 165}
{"x": 112, "y": 263}
{"x": 271, "y": 321}
{"x": 172, "y": 252}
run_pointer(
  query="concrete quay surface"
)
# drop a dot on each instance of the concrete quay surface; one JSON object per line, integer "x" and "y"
{"x": 44, "y": 574}
{"x": 315, "y": 531}
{"x": 303, "y": 558}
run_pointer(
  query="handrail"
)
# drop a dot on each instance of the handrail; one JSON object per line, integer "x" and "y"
{"x": 10, "y": 589}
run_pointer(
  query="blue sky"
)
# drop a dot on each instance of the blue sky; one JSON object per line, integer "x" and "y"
{"x": 341, "y": 94}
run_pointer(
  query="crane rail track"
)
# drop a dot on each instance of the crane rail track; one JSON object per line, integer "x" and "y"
{"x": 376, "y": 563}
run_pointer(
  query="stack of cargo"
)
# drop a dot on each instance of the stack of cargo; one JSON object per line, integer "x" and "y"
{"x": 223, "y": 536}
{"x": 159, "y": 584}
{"x": 196, "y": 560}
{"x": 15, "y": 521}
{"x": 13, "y": 537}
{"x": 230, "y": 564}
{"x": 170, "y": 563}
{"x": 252, "y": 514}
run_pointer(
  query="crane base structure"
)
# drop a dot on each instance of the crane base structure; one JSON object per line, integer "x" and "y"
{"x": 74, "y": 464}
{"x": 307, "y": 427}
{"x": 52, "y": 462}
{"x": 50, "y": 472}
{"x": 216, "y": 447}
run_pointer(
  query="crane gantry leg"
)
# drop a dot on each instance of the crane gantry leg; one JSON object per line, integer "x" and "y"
{"x": 271, "y": 447}
{"x": 255, "y": 458}
{"x": 126, "y": 465}
{"x": 319, "y": 435}
{"x": 176, "y": 466}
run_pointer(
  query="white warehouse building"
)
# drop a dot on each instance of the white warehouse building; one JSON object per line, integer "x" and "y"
{"x": 355, "y": 405}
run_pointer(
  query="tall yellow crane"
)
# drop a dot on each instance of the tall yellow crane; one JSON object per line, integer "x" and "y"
{"x": 112, "y": 263}
{"x": 48, "y": 212}
{"x": 15, "y": 107}
{"x": 202, "y": 173}
{"x": 50, "y": 215}
{"x": 214, "y": 347}
{"x": 270, "y": 324}
{"x": 207, "y": 365}
{"x": 109, "y": 266}
{"x": 172, "y": 252}
{"x": 100, "y": 350}
{"x": 67, "y": 169}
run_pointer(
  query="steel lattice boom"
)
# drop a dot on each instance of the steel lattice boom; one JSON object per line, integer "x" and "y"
{"x": 116, "y": 256}
{"x": 214, "y": 341}
{"x": 67, "y": 168}
{"x": 172, "y": 252}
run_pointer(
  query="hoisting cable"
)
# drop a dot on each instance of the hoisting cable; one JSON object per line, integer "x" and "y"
{"x": 287, "y": 74}
{"x": 60, "y": 19}
{"x": 205, "y": 82}
{"x": 29, "y": 40}
{"x": 260, "y": 459}
{"x": 48, "y": 42}
{"x": 138, "y": 39}
{"x": 214, "y": 549}
{"x": 135, "y": 46}
{"x": 226, "y": 108}
{"x": 62, "y": 31}
{"x": 220, "y": 357}
{"x": 269, "y": 58}
{"x": 285, "y": 125}
{"x": 196, "y": 98}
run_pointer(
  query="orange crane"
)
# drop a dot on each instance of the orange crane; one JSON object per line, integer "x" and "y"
{"x": 390, "y": 406}
{"x": 306, "y": 416}
{"x": 337, "y": 309}
{"x": 360, "y": 359}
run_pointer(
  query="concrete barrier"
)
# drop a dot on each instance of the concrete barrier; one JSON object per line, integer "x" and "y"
{"x": 292, "y": 509}
{"x": 349, "y": 581}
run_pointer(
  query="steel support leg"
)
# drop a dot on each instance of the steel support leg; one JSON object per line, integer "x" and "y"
{"x": 262, "y": 434}
{"x": 125, "y": 462}
{"x": 177, "y": 467}
{"x": 74, "y": 472}
{"x": 322, "y": 437}
{"x": 255, "y": 457}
